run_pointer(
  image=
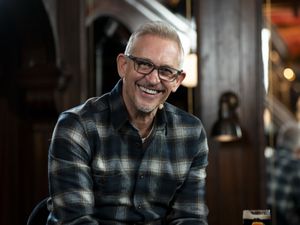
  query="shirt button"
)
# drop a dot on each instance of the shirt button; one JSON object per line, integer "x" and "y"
{"x": 139, "y": 206}
{"x": 141, "y": 176}
{"x": 138, "y": 144}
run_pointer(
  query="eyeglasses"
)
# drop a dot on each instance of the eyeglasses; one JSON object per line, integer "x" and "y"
{"x": 145, "y": 67}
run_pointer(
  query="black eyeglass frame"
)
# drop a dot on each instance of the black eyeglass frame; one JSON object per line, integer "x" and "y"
{"x": 158, "y": 68}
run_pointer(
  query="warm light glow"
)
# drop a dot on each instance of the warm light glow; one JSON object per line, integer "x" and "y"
{"x": 269, "y": 152}
{"x": 265, "y": 38}
{"x": 226, "y": 138}
{"x": 275, "y": 56}
{"x": 289, "y": 74}
{"x": 267, "y": 118}
{"x": 190, "y": 67}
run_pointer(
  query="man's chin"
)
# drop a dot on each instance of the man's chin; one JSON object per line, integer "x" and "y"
{"x": 147, "y": 109}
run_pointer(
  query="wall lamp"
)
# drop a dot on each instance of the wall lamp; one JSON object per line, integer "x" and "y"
{"x": 227, "y": 128}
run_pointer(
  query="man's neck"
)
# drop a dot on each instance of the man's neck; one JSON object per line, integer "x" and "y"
{"x": 143, "y": 124}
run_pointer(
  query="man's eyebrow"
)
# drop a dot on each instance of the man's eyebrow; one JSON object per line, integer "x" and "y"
{"x": 150, "y": 61}
{"x": 145, "y": 59}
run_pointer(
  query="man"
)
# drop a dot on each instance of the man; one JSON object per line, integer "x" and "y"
{"x": 129, "y": 157}
{"x": 284, "y": 177}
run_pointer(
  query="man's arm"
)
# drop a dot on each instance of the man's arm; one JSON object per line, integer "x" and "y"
{"x": 189, "y": 202}
{"x": 70, "y": 182}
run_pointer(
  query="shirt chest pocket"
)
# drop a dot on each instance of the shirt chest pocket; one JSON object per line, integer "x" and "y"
{"x": 111, "y": 184}
{"x": 164, "y": 188}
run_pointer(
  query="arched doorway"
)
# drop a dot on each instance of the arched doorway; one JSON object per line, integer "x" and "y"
{"x": 107, "y": 38}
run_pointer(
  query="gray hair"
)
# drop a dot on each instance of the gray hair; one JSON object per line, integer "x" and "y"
{"x": 289, "y": 136}
{"x": 157, "y": 28}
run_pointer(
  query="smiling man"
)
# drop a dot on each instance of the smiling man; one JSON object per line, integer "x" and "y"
{"x": 129, "y": 157}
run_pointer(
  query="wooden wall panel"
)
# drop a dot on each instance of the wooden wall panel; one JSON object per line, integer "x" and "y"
{"x": 69, "y": 27}
{"x": 27, "y": 111}
{"x": 230, "y": 60}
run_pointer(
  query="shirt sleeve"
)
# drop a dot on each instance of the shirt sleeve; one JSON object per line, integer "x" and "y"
{"x": 70, "y": 182}
{"x": 189, "y": 206}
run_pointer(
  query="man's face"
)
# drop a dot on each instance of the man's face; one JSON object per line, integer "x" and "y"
{"x": 144, "y": 93}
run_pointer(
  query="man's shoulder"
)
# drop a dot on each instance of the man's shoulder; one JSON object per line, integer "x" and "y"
{"x": 179, "y": 115}
{"x": 91, "y": 106}
{"x": 185, "y": 126}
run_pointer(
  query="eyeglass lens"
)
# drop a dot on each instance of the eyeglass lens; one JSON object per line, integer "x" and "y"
{"x": 146, "y": 67}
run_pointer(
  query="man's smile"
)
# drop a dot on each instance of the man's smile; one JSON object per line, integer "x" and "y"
{"x": 149, "y": 91}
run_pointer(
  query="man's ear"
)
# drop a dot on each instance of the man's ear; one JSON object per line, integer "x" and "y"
{"x": 178, "y": 81}
{"x": 121, "y": 65}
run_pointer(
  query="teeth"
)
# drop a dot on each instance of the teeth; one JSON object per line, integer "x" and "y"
{"x": 148, "y": 91}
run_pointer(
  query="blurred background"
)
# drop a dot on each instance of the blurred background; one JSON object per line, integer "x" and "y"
{"x": 243, "y": 56}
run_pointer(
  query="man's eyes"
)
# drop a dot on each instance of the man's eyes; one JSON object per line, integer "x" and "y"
{"x": 166, "y": 70}
{"x": 144, "y": 63}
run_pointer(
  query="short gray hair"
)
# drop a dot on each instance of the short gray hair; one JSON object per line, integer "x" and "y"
{"x": 157, "y": 28}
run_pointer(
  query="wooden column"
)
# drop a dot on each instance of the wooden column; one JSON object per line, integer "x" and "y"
{"x": 68, "y": 25}
{"x": 230, "y": 60}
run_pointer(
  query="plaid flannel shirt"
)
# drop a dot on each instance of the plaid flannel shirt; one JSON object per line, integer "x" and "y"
{"x": 284, "y": 187}
{"x": 100, "y": 171}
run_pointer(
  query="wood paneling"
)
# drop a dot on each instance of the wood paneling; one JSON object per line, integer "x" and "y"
{"x": 230, "y": 60}
{"x": 70, "y": 57}
{"x": 29, "y": 79}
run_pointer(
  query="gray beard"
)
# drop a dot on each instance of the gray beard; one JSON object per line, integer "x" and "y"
{"x": 145, "y": 111}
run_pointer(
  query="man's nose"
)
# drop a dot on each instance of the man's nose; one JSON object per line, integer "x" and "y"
{"x": 153, "y": 77}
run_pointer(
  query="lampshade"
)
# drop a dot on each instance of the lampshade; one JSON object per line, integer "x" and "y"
{"x": 227, "y": 127}
{"x": 190, "y": 67}
{"x": 226, "y": 130}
